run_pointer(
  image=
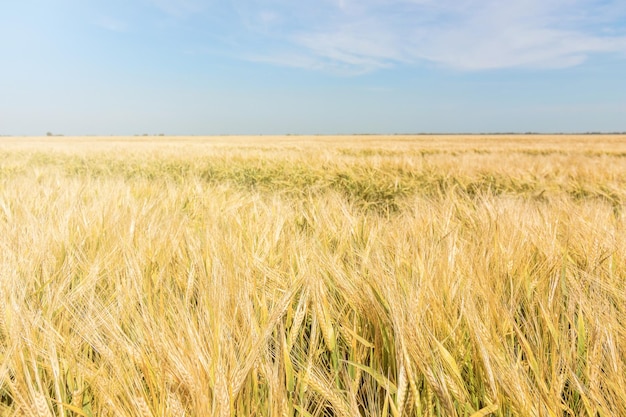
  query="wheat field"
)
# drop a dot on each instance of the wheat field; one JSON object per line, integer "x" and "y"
{"x": 313, "y": 276}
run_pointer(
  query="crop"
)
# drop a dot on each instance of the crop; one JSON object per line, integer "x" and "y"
{"x": 313, "y": 276}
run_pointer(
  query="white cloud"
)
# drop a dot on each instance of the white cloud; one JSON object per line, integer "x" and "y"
{"x": 533, "y": 34}
{"x": 345, "y": 67}
{"x": 361, "y": 45}
{"x": 113, "y": 25}
{"x": 180, "y": 8}
{"x": 361, "y": 36}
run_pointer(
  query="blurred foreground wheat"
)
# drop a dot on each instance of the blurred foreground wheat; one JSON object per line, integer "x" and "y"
{"x": 313, "y": 277}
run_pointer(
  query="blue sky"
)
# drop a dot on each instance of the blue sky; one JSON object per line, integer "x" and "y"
{"x": 328, "y": 66}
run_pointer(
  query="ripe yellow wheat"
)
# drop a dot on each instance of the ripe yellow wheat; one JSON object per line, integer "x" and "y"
{"x": 313, "y": 276}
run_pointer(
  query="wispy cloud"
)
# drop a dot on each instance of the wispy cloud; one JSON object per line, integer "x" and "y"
{"x": 113, "y": 25}
{"x": 180, "y": 8}
{"x": 360, "y": 36}
{"x": 528, "y": 34}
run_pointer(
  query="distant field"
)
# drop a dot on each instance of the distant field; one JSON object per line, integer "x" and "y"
{"x": 313, "y": 276}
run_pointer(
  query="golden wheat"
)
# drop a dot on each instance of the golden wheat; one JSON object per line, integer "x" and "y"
{"x": 313, "y": 276}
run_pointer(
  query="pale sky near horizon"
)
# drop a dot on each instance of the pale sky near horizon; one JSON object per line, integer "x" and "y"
{"x": 124, "y": 67}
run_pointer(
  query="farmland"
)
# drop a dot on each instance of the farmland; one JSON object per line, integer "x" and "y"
{"x": 313, "y": 276}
